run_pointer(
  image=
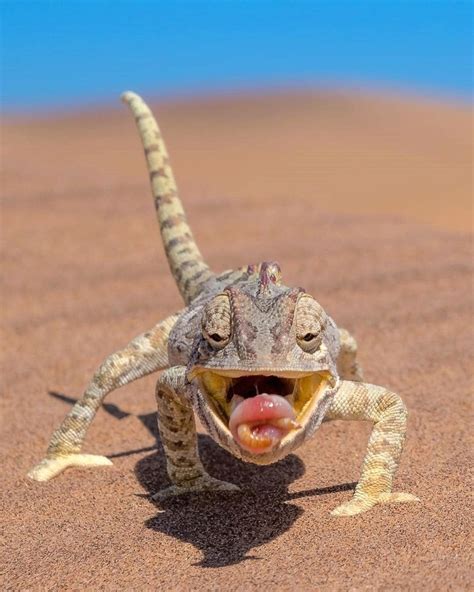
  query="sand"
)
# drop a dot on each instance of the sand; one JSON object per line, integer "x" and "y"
{"x": 365, "y": 201}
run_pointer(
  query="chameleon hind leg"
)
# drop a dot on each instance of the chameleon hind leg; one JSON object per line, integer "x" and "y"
{"x": 347, "y": 365}
{"x": 362, "y": 401}
{"x": 178, "y": 436}
{"x": 147, "y": 353}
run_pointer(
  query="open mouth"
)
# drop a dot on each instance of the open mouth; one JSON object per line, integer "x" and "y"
{"x": 261, "y": 410}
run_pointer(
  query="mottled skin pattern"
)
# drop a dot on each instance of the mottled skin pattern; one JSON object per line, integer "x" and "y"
{"x": 242, "y": 328}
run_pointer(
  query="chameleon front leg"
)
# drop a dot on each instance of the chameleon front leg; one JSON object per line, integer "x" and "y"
{"x": 178, "y": 436}
{"x": 362, "y": 401}
{"x": 145, "y": 354}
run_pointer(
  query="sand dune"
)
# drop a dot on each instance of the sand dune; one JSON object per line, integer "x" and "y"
{"x": 365, "y": 201}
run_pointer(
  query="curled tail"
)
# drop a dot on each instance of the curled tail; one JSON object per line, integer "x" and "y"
{"x": 185, "y": 261}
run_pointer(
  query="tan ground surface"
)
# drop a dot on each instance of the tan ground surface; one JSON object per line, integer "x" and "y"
{"x": 366, "y": 203}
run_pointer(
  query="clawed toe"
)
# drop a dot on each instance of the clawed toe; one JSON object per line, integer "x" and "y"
{"x": 397, "y": 498}
{"x": 51, "y": 467}
{"x": 353, "y": 507}
{"x": 203, "y": 484}
{"x": 362, "y": 504}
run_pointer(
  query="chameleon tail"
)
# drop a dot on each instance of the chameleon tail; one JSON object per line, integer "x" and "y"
{"x": 185, "y": 261}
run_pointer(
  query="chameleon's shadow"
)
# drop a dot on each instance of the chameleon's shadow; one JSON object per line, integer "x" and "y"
{"x": 227, "y": 526}
{"x": 224, "y": 526}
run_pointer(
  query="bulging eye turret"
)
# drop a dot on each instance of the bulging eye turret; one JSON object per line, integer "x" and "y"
{"x": 310, "y": 321}
{"x": 217, "y": 322}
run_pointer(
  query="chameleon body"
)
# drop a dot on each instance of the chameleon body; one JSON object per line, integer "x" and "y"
{"x": 260, "y": 363}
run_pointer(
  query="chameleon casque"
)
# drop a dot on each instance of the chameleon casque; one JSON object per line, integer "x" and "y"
{"x": 260, "y": 363}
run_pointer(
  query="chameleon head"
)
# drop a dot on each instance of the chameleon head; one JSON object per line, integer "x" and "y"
{"x": 264, "y": 367}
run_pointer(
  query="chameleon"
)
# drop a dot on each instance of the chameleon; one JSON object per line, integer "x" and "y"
{"x": 261, "y": 364}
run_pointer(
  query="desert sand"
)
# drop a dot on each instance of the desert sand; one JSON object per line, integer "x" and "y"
{"x": 365, "y": 201}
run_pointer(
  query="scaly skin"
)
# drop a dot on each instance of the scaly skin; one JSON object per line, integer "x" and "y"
{"x": 241, "y": 331}
{"x": 179, "y": 439}
{"x": 147, "y": 353}
{"x": 359, "y": 401}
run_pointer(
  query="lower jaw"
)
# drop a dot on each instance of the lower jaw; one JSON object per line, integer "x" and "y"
{"x": 259, "y": 451}
{"x": 267, "y": 457}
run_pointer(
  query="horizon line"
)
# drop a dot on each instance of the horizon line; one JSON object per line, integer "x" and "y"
{"x": 243, "y": 91}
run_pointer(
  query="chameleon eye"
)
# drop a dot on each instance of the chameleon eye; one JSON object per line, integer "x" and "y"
{"x": 216, "y": 322}
{"x": 310, "y": 323}
{"x": 310, "y": 342}
{"x": 216, "y": 341}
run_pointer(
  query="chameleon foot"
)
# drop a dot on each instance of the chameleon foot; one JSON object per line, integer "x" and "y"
{"x": 362, "y": 504}
{"x": 202, "y": 484}
{"x": 50, "y": 467}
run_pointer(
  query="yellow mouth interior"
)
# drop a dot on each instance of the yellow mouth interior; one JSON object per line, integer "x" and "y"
{"x": 302, "y": 392}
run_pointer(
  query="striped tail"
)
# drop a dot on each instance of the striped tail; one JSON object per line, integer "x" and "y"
{"x": 185, "y": 261}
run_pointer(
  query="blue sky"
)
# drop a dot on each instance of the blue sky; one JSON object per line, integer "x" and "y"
{"x": 70, "y": 53}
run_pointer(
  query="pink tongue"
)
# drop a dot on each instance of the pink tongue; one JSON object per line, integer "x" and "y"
{"x": 258, "y": 412}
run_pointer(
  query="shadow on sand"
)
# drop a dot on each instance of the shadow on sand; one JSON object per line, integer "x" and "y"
{"x": 225, "y": 527}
